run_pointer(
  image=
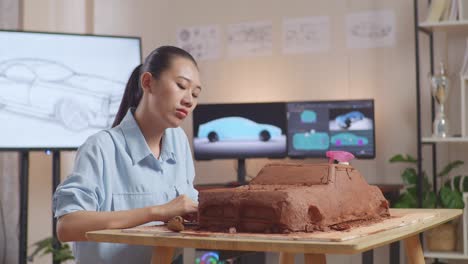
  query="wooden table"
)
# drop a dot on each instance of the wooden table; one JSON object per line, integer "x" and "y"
{"x": 314, "y": 251}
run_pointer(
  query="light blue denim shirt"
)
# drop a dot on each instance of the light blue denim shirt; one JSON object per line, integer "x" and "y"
{"x": 116, "y": 170}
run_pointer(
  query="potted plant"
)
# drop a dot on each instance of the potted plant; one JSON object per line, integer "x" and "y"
{"x": 444, "y": 237}
{"x": 61, "y": 253}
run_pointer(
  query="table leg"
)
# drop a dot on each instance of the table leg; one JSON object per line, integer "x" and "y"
{"x": 413, "y": 250}
{"x": 162, "y": 255}
{"x": 368, "y": 257}
{"x": 286, "y": 258}
{"x": 315, "y": 259}
{"x": 395, "y": 252}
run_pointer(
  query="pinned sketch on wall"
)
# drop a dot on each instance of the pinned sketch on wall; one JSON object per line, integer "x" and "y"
{"x": 370, "y": 29}
{"x": 203, "y": 43}
{"x": 250, "y": 39}
{"x": 308, "y": 34}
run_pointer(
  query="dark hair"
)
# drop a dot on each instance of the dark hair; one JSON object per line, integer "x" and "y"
{"x": 157, "y": 62}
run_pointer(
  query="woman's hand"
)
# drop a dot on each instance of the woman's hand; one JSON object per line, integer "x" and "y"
{"x": 73, "y": 226}
{"x": 191, "y": 217}
{"x": 181, "y": 205}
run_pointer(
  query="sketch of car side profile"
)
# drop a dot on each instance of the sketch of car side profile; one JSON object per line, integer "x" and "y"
{"x": 49, "y": 90}
{"x": 348, "y": 139}
{"x": 237, "y": 128}
{"x": 371, "y": 30}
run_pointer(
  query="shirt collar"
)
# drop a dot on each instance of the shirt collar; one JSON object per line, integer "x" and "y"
{"x": 167, "y": 148}
{"x": 136, "y": 143}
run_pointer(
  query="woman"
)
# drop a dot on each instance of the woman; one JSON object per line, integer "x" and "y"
{"x": 139, "y": 171}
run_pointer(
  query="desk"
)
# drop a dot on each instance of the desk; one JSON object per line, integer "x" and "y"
{"x": 314, "y": 251}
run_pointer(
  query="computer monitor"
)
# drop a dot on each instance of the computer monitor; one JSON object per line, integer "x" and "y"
{"x": 58, "y": 89}
{"x": 239, "y": 131}
{"x": 316, "y": 127}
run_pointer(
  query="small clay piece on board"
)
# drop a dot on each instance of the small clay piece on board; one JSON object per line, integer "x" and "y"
{"x": 176, "y": 224}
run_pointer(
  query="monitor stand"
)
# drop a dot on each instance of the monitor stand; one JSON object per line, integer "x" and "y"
{"x": 241, "y": 171}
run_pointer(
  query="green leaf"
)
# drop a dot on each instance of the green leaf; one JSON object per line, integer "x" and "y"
{"x": 456, "y": 183}
{"x": 45, "y": 246}
{"x": 40, "y": 245}
{"x": 465, "y": 185}
{"x": 402, "y": 158}
{"x": 449, "y": 167}
{"x": 413, "y": 191}
{"x": 451, "y": 199}
{"x": 406, "y": 200}
{"x": 62, "y": 254}
{"x": 430, "y": 200}
{"x": 409, "y": 176}
{"x": 427, "y": 186}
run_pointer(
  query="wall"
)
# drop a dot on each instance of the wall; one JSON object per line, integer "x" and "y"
{"x": 385, "y": 74}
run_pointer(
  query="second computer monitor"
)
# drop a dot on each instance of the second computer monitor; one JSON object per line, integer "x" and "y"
{"x": 239, "y": 131}
{"x": 316, "y": 127}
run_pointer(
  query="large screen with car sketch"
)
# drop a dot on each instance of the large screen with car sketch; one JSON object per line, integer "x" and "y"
{"x": 316, "y": 127}
{"x": 239, "y": 130}
{"x": 58, "y": 89}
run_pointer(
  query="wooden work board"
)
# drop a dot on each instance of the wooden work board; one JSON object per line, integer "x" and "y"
{"x": 397, "y": 220}
{"x": 406, "y": 225}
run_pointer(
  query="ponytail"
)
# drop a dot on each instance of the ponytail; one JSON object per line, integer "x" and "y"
{"x": 131, "y": 96}
{"x": 157, "y": 61}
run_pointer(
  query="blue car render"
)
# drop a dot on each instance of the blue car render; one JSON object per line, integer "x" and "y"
{"x": 311, "y": 141}
{"x": 237, "y": 128}
{"x": 345, "y": 121}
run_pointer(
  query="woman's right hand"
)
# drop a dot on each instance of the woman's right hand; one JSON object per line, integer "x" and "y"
{"x": 181, "y": 205}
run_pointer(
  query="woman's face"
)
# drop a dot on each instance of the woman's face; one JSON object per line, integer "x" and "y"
{"x": 173, "y": 96}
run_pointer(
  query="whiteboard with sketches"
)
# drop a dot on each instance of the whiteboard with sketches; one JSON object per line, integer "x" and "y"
{"x": 203, "y": 43}
{"x": 370, "y": 29}
{"x": 56, "y": 90}
{"x": 305, "y": 35}
{"x": 250, "y": 39}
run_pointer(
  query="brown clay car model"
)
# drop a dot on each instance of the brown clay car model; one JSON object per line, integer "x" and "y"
{"x": 293, "y": 198}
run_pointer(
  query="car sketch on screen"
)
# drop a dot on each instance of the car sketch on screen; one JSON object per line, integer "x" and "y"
{"x": 52, "y": 91}
{"x": 308, "y": 116}
{"x": 348, "y": 139}
{"x": 354, "y": 120}
{"x": 311, "y": 141}
{"x": 237, "y": 128}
